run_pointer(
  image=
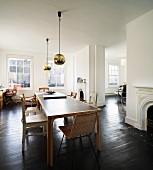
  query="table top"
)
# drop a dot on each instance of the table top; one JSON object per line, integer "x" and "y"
{"x": 63, "y": 107}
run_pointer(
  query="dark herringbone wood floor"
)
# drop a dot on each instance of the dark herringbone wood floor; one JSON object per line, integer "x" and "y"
{"x": 123, "y": 147}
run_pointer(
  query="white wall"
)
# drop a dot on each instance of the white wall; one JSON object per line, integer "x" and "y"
{"x": 90, "y": 64}
{"x": 122, "y": 74}
{"x": 92, "y": 71}
{"x": 139, "y": 60}
{"x": 82, "y": 70}
{"x": 100, "y": 74}
{"x": 39, "y": 75}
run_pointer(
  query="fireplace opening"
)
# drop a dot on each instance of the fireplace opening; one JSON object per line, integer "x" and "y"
{"x": 81, "y": 95}
{"x": 150, "y": 119}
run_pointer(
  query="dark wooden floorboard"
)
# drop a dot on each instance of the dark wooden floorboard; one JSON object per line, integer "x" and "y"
{"x": 123, "y": 146}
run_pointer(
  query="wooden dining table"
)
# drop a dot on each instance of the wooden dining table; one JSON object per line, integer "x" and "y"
{"x": 62, "y": 107}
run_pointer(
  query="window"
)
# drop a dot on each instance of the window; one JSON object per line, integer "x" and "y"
{"x": 113, "y": 75}
{"x": 19, "y": 70}
{"x": 56, "y": 75}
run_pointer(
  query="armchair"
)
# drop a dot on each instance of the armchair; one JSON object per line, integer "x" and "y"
{"x": 8, "y": 96}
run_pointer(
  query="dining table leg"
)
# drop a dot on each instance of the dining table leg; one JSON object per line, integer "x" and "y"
{"x": 98, "y": 133}
{"x": 50, "y": 142}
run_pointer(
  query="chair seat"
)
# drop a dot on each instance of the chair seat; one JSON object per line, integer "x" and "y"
{"x": 28, "y": 99}
{"x": 36, "y": 118}
{"x": 33, "y": 110}
{"x": 66, "y": 130}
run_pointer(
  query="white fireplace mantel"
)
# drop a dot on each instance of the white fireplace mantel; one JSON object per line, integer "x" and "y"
{"x": 144, "y": 101}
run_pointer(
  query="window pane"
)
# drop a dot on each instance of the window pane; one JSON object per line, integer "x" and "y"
{"x": 110, "y": 67}
{"x": 26, "y": 69}
{"x": 26, "y": 63}
{"x": 52, "y": 81}
{"x": 12, "y": 62}
{"x": 20, "y": 69}
{"x": 13, "y": 69}
{"x": 116, "y": 72}
{"x": 26, "y": 78}
{"x": 56, "y": 75}
{"x": 60, "y": 81}
{"x": 20, "y": 63}
{"x": 12, "y": 78}
{"x": 113, "y": 75}
{"x": 116, "y": 68}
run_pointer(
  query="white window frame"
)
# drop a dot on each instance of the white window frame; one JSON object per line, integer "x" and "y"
{"x": 18, "y": 56}
{"x": 62, "y": 87}
{"x": 113, "y": 64}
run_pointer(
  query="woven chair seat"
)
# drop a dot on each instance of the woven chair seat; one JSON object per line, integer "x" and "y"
{"x": 66, "y": 130}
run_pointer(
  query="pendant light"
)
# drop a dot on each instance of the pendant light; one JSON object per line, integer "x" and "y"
{"x": 59, "y": 59}
{"x": 47, "y": 66}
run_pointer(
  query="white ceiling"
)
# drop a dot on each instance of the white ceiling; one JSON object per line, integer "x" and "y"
{"x": 25, "y": 24}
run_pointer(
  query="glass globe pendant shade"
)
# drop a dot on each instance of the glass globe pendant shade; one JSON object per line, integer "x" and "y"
{"x": 59, "y": 59}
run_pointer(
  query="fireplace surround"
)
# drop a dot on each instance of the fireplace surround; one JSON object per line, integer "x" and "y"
{"x": 144, "y": 101}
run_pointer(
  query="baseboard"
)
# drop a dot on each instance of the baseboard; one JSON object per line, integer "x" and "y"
{"x": 130, "y": 121}
{"x": 110, "y": 94}
{"x": 100, "y": 104}
{"x": 137, "y": 126}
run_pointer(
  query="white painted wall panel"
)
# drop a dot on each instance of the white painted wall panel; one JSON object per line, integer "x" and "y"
{"x": 139, "y": 59}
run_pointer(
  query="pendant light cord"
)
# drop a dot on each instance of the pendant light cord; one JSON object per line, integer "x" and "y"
{"x": 47, "y": 49}
{"x": 59, "y": 34}
{"x": 59, "y": 59}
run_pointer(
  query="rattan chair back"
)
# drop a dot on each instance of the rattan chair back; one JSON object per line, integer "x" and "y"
{"x": 83, "y": 124}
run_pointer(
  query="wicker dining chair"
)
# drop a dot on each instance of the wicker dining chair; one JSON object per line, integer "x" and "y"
{"x": 8, "y": 96}
{"x": 83, "y": 126}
